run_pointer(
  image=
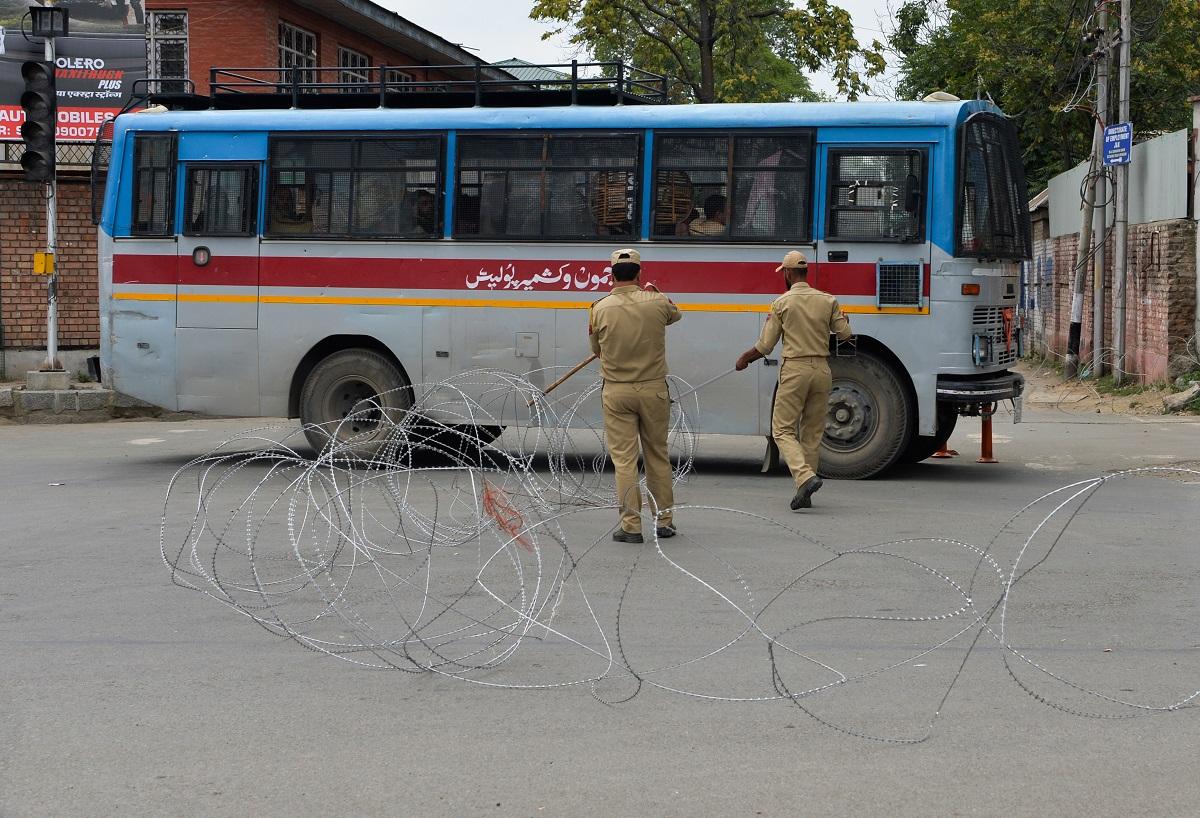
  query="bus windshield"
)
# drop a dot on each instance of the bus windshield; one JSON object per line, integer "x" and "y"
{"x": 992, "y": 193}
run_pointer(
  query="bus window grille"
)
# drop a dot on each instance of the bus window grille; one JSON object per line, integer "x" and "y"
{"x": 870, "y": 197}
{"x": 899, "y": 284}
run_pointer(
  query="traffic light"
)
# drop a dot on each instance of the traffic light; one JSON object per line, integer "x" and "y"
{"x": 40, "y": 104}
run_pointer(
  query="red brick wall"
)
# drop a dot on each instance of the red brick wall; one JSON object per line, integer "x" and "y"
{"x": 229, "y": 34}
{"x": 1160, "y": 296}
{"x": 22, "y": 294}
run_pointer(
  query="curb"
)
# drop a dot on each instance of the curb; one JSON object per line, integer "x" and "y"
{"x": 74, "y": 405}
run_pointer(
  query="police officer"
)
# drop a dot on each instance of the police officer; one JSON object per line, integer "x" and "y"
{"x": 628, "y": 330}
{"x": 805, "y": 317}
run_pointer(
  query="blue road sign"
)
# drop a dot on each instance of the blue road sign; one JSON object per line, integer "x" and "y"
{"x": 1118, "y": 143}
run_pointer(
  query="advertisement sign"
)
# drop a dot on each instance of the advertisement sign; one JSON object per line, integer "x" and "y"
{"x": 95, "y": 67}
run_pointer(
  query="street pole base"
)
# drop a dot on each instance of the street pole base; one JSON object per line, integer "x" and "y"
{"x": 985, "y": 441}
{"x": 944, "y": 453}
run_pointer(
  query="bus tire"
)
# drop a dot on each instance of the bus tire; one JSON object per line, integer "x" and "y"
{"x": 869, "y": 424}
{"x": 922, "y": 447}
{"x": 359, "y": 384}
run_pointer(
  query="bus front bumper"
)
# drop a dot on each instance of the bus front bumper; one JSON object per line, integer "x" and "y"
{"x": 979, "y": 389}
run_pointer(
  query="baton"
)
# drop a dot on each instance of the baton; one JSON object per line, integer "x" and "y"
{"x": 559, "y": 382}
{"x": 701, "y": 386}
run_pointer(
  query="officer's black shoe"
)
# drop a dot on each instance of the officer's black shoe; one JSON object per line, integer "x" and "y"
{"x": 665, "y": 532}
{"x": 803, "y": 498}
{"x": 621, "y": 535}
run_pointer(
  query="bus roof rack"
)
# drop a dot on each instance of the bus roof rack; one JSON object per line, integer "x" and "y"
{"x": 426, "y": 86}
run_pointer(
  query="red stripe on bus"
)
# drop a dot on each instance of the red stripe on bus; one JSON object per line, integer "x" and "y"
{"x": 487, "y": 275}
{"x": 129, "y": 269}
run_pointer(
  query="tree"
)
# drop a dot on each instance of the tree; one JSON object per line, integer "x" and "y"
{"x": 1032, "y": 57}
{"x": 722, "y": 50}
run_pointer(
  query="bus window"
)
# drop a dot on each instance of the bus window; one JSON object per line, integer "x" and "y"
{"x": 548, "y": 186}
{"x": 746, "y": 187}
{"x": 153, "y": 185}
{"x": 221, "y": 201}
{"x": 364, "y": 187}
{"x": 767, "y": 175}
{"x": 876, "y": 195}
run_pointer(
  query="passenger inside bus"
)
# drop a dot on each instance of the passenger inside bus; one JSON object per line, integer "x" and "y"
{"x": 290, "y": 213}
{"x": 714, "y": 220}
{"x": 422, "y": 213}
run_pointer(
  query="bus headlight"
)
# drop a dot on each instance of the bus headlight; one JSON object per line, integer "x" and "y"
{"x": 981, "y": 349}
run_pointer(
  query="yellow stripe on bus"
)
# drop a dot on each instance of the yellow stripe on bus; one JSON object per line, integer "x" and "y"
{"x": 861, "y": 309}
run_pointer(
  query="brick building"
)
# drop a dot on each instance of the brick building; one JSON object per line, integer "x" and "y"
{"x": 357, "y": 39}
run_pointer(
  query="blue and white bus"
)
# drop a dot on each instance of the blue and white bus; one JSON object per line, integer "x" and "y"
{"x": 292, "y": 262}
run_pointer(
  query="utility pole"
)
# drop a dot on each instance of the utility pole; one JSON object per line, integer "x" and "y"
{"x": 1121, "y": 222}
{"x": 52, "y": 363}
{"x": 40, "y": 104}
{"x": 1082, "y": 254}
{"x": 1104, "y": 51}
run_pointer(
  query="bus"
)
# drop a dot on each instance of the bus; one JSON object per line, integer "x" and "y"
{"x": 258, "y": 259}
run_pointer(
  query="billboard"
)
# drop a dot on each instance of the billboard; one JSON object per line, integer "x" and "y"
{"x": 95, "y": 67}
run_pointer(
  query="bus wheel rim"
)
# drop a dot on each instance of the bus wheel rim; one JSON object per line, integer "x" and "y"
{"x": 354, "y": 405}
{"x": 852, "y": 418}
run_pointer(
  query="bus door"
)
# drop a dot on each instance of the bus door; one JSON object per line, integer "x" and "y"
{"x": 873, "y": 249}
{"x": 217, "y": 313}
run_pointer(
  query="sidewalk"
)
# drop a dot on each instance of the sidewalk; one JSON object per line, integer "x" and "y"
{"x": 80, "y": 403}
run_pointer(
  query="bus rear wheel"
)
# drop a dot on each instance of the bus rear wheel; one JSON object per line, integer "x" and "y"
{"x": 923, "y": 447}
{"x": 869, "y": 422}
{"x": 352, "y": 398}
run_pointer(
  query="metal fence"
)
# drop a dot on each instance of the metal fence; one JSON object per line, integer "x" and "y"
{"x": 69, "y": 155}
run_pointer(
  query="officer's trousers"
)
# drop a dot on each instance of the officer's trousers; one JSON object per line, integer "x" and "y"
{"x": 639, "y": 413}
{"x": 801, "y": 402}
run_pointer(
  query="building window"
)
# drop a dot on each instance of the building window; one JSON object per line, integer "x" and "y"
{"x": 743, "y": 187}
{"x": 167, "y": 50}
{"x": 398, "y": 80}
{"x": 353, "y": 66}
{"x": 548, "y": 186}
{"x": 297, "y": 49}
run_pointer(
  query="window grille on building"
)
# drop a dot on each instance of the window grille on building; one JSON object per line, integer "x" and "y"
{"x": 717, "y": 187}
{"x": 551, "y": 186}
{"x": 353, "y": 66}
{"x": 167, "y": 50}
{"x": 298, "y": 49}
{"x": 876, "y": 195}
{"x": 367, "y": 187}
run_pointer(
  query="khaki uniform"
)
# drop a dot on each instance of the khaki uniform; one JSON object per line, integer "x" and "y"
{"x": 628, "y": 330}
{"x": 804, "y": 317}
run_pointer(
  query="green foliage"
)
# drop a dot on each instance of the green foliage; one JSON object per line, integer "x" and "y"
{"x": 722, "y": 50}
{"x": 1031, "y": 58}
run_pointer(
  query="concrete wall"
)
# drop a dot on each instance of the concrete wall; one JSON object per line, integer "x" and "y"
{"x": 1158, "y": 186}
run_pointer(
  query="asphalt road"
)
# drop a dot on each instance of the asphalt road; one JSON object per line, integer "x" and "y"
{"x": 123, "y": 694}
